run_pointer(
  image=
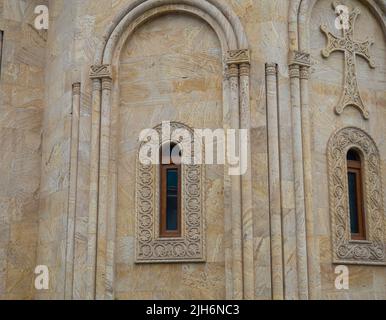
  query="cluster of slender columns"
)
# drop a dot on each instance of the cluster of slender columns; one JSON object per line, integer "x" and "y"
{"x": 238, "y": 117}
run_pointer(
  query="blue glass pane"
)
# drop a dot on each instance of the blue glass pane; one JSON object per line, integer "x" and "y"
{"x": 353, "y": 201}
{"x": 172, "y": 200}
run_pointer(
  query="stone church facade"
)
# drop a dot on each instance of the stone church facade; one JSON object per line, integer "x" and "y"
{"x": 305, "y": 78}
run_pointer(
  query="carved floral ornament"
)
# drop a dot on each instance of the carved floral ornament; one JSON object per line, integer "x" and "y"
{"x": 150, "y": 248}
{"x": 345, "y": 250}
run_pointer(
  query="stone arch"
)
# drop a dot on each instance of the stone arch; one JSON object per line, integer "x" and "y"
{"x": 215, "y": 9}
{"x": 103, "y": 171}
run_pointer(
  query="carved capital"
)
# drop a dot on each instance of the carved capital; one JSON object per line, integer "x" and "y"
{"x": 232, "y": 71}
{"x": 304, "y": 72}
{"x": 299, "y": 58}
{"x": 245, "y": 69}
{"x": 76, "y": 89}
{"x": 238, "y": 57}
{"x": 101, "y": 71}
{"x": 294, "y": 71}
{"x": 271, "y": 69}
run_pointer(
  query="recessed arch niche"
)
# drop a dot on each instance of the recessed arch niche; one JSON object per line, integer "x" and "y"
{"x": 106, "y": 100}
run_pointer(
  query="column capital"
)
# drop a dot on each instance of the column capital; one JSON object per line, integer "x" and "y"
{"x": 232, "y": 71}
{"x": 271, "y": 69}
{"x": 294, "y": 71}
{"x": 238, "y": 57}
{"x": 245, "y": 69}
{"x": 299, "y": 58}
{"x": 304, "y": 72}
{"x": 102, "y": 71}
{"x": 76, "y": 88}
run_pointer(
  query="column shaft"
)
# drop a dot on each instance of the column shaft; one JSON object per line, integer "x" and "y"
{"x": 274, "y": 183}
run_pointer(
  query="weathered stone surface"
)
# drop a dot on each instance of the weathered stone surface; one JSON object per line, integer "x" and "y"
{"x": 68, "y": 158}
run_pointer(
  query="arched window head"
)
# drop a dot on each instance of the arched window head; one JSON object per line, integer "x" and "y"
{"x": 355, "y": 195}
{"x": 171, "y": 153}
{"x": 356, "y": 198}
{"x": 170, "y": 191}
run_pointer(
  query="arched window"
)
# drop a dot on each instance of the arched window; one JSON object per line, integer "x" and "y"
{"x": 170, "y": 202}
{"x": 355, "y": 193}
{"x": 356, "y": 198}
{"x": 170, "y": 193}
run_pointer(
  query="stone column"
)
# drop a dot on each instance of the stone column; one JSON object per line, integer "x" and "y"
{"x": 242, "y": 215}
{"x": 301, "y": 238}
{"x": 313, "y": 265}
{"x": 72, "y": 191}
{"x": 246, "y": 187}
{"x": 103, "y": 199}
{"x": 97, "y": 73}
{"x": 274, "y": 182}
{"x": 234, "y": 183}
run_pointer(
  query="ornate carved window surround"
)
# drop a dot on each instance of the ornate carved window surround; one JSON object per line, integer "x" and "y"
{"x": 150, "y": 246}
{"x": 345, "y": 250}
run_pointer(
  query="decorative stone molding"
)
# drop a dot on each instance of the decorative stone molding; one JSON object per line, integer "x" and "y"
{"x": 238, "y": 57}
{"x": 346, "y": 251}
{"x": 101, "y": 71}
{"x": 106, "y": 83}
{"x": 299, "y": 58}
{"x": 232, "y": 71}
{"x": 150, "y": 248}
{"x": 271, "y": 69}
{"x": 245, "y": 69}
{"x": 304, "y": 72}
{"x": 76, "y": 89}
{"x": 294, "y": 71}
{"x": 351, "y": 48}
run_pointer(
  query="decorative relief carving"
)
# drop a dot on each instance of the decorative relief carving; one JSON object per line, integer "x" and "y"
{"x": 351, "y": 48}
{"x": 238, "y": 57}
{"x": 150, "y": 248}
{"x": 245, "y": 69}
{"x": 299, "y": 58}
{"x": 345, "y": 250}
{"x": 232, "y": 71}
{"x": 76, "y": 89}
{"x": 294, "y": 71}
{"x": 304, "y": 73}
{"x": 271, "y": 69}
{"x": 101, "y": 71}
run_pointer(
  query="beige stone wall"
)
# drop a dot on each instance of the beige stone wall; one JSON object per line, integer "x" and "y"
{"x": 326, "y": 88}
{"x": 170, "y": 70}
{"x": 161, "y": 76}
{"x": 21, "y": 112}
{"x": 55, "y": 172}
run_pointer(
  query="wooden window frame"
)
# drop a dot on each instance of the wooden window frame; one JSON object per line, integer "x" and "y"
{"x": 355, "y": 167}
{"x": 164, "y": 233}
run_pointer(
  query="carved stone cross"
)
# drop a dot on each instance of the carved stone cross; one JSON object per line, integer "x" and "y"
{"x": 351, "y": 48}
